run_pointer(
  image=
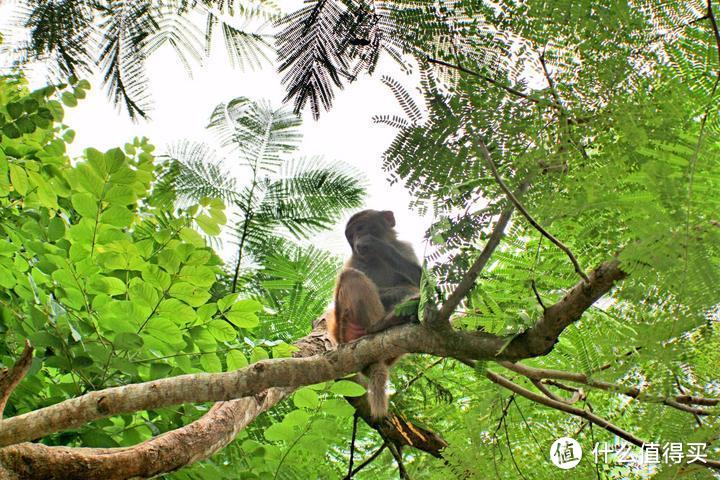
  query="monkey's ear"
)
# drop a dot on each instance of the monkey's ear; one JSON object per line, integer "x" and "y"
{"x": 389, "y": 217}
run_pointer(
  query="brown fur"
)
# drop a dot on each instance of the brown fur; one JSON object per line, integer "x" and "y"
{"x": 381, "y": 273}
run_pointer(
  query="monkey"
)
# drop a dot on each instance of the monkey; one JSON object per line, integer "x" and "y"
{"x": 381, "y": 273}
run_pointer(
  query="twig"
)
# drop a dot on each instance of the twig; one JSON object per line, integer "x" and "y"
{"x": 503, "y": 186}
{"x": 468, "y": 281}
{"x": 549, "y": 402}
{"x": 527, "y": 425}
{"x": 510, "y": 450}
{"x": 589, "y": 416}
{"x": 352, "y": 443}
{"x": 714, "y": 24}
{"x": 545, "y": 391}
{"x": 9, "y": 378}
{"x": 398, "y": 459}
{"x": 518, "y": 93}
{"x": 420, "y": 375}
{"x": 368, "y": 461}
{"x": 551, "y": 83}
{"x": 698, "y": 420}
{"x": 537, "y": 295}
{"x": 503, "y": 415}
{"x": 541, "y": 373}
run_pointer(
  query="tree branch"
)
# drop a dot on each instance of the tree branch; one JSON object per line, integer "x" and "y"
{"x": 589, "y": 416}
{"x": 468, "y": 280}
{"x": 178, "y": 448}
{"x": 503, "y": 186}
{"x": 714, "y": 24}
{"x": 9, "y": 378}
{"x": 540, "y": 338}
{"x": 538, "y": 374}
{"x": 368, "y": 461}
{"x": 513, "y": 91}
{"x": 294, "y": 372}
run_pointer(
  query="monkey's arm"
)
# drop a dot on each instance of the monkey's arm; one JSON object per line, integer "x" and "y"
{"x": 390, "y": 320}
{"x": 392, "y": 296}
{"x": 400, "y": 260}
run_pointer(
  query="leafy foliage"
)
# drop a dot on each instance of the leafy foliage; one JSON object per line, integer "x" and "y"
{"x": 77, "y": 36}
{"x": 601, "y": 116}
{"x": 298, "y": 197}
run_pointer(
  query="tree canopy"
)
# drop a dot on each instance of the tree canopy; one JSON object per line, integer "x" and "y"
{"x": 569, "y": 153}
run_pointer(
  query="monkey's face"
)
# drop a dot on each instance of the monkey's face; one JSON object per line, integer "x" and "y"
{"x": 366, "y": 229}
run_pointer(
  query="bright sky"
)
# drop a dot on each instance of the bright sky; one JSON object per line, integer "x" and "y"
{"x": 182, "y": 107}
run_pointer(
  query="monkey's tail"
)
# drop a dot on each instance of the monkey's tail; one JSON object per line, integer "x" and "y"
{"x": 377, "y": 375}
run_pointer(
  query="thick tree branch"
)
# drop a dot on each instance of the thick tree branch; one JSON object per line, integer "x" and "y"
{"x": 186, "y": 445}
{"x": 541, "y": 337}
{"x": 295, "y": 372}
{"x": 161, "y": 454}
{"x": 9, "y": 378}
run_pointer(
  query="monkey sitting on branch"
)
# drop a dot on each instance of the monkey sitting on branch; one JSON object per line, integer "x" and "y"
{"x": 382, "y": 273}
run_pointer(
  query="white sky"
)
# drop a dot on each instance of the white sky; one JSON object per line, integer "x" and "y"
{"x": 182, "y": 107}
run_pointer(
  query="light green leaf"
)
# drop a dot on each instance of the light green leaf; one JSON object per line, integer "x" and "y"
{"x": 18, "y": 179}
{"x": 347, "y": 388}
{"x": 235, "y": 360}
{"x": 306, "y": 398}
{"x": 221, "y": 330}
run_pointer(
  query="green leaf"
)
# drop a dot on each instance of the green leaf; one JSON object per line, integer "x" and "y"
{"x": 30, "y": 105}
{"x": 258, "y": 354}
{"x": 109, "y": 285}
{"x": 56, "y": 110}
{"x": 208, "y": 225}
{"x": 69, "y": 99}
{"x": 121, "y": 195}
{"x": 128, "y": 341}
{"x": 347, "y": 388}
{"x": 210, "y": 363}
{"x": 56, "y": 229}
{"x": 225, "y": 302}
{"x": 279, "y": 432}
{"x": 193, "y": 296}
{"x": 242, "y": 315}
{"x": 117, "y": 216}
{"x": 337, "y": 407}
{"x": 306, "y": 398}
{"x": 11, "y": 131}
{"x": 235, "y": 360}
{"x": 221, "y": 330}
{"x": 15, "y": 109}
{"x": 85, "y": 204}
{"x": 18, "y": 179}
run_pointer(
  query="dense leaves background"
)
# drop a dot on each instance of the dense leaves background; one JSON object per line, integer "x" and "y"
{"x": 608, "y": 112}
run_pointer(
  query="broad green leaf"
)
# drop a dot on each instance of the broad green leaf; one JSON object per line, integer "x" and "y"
{"x": 193, "y": 296}
{"x": 306, "y": 398}
{"x": 347, "y": 388}
{"x": 235, "y": 360}
{"x": 210, "y": 363}
{"x": 18, "y": 179}
{"x": 279, "y": 432}
{"x": 221, "y": 330}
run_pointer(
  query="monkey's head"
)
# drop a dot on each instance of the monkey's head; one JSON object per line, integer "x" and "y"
{"x": 365, "y": 228}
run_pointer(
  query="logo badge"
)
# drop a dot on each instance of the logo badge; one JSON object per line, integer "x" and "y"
{"x": 565, "y": 453}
